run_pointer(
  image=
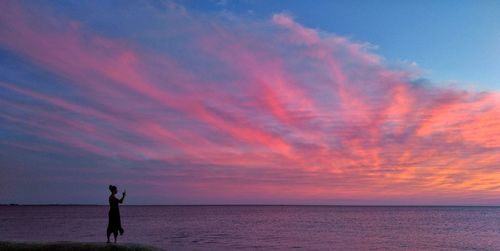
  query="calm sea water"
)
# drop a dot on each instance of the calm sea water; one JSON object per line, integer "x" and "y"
{"x": 264, "y": 227}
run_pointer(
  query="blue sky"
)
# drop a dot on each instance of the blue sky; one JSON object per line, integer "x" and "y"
{"x": 455, "y": 41}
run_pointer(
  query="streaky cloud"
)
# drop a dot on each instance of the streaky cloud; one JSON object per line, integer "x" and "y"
{"x": 243, "y": 110}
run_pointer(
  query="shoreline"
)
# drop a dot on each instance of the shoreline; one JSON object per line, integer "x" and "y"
{"x": 73, "y": 246}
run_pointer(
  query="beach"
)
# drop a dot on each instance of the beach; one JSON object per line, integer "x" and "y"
{"x": 74, "y": 246}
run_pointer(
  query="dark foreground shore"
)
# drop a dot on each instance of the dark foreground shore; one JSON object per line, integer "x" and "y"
{"x": 73, "y": 246}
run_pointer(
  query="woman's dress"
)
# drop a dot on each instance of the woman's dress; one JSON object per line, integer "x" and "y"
{"x": 114, "y": 223}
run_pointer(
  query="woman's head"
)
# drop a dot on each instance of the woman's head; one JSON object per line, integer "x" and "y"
{"x": 113, "y": 189}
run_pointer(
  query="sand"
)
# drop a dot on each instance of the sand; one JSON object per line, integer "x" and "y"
{"x": 73, "y": 246}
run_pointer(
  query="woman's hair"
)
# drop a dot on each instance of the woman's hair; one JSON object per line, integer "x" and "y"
{"x": 112, "y": 188}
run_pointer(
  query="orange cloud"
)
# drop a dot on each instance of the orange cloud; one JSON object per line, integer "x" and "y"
{"x": 266, "y": 111}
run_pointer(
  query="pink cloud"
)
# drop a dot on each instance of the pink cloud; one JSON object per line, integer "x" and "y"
{"x": 286, "y": 112}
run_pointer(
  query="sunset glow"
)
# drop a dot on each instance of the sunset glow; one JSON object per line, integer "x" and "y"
{"x": 189, "y": 107}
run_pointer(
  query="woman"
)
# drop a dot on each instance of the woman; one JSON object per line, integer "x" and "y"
{"x": 114, "y": 224}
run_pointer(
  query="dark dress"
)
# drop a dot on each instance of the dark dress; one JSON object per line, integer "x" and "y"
{"x": 114, "y": 223}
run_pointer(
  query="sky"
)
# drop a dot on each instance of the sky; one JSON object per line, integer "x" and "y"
{"x": 250, "y": 102}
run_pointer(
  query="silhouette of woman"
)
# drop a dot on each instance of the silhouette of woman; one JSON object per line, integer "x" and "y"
{"x": 114, "y": 223}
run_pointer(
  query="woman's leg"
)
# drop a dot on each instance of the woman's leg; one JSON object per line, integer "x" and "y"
{"x": 108, "y": 233}
{"x": 115, "y": 234}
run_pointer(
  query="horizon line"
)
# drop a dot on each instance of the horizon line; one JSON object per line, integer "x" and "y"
{"x": 270, "y": 205}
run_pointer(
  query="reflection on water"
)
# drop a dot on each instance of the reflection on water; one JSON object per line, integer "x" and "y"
{"x": 264, "y": 227}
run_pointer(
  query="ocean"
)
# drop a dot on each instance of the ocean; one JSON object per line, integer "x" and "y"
{"x": 264, "y": 227}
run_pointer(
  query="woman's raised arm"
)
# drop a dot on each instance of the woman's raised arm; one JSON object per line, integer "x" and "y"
{"x": 123, "y": 197}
